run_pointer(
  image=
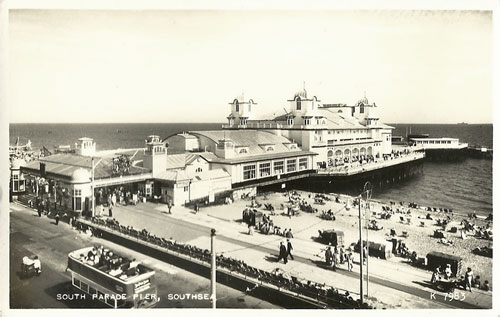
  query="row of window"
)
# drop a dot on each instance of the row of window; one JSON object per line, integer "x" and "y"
{"x": 278, "y": 167}
{"x": 434, "y": 142}
{"x": 348, "y": 131}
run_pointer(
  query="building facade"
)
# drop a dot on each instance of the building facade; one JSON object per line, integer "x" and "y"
{"x": 336, "y": 132}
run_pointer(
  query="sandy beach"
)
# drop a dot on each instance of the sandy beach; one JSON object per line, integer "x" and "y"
{"x": 419, "y": 238}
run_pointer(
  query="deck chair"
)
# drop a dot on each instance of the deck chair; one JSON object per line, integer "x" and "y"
{"x": 401, "y": 219}
{"x": 408, "y": 221}
{"x": 422, "y": 224}
{"x": 405, "y": 234}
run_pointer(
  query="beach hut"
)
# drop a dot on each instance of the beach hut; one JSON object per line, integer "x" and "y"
{"x": 335, "y": 238}
{"x": 438, "y": 259}
{"x": 379, "y": 249}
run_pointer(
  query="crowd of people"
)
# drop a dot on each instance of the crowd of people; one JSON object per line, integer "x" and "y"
{"x": 467, "y": 281}
{"x": 330, "y": 296}
{"x": 338, "y": 256}
{"x": 114, "y": 264}
{"x": 344, "y": 163}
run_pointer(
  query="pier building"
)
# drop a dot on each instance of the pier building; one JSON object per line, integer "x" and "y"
{"x": 250, "y": 157}
{"x": 323, "y": 143}
{"x": 229, "y": 160}
{"x": 338, "y": 133}
{"x": 440, "y": 148}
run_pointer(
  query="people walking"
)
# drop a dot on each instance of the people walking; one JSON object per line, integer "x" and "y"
{"x": 289, "y": 248}
{"x": 283, "y": 253}
{"x": 289, "y": 234}
{"x": 169, "y": 207}
{"x": 57, "y": 219}
{"x": 110, "y": 211}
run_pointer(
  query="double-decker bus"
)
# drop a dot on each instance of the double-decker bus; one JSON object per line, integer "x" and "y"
{"x": 112, "y": 279}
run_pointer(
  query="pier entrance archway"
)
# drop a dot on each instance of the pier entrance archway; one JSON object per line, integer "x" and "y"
{"x": 370, "y": 150}
{"x": 338, "y": 154}
{"x": 329, "y": 154}
{"x": 362, "y": 151}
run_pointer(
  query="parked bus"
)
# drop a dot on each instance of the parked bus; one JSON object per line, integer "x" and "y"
{"x": 112, "y": 279}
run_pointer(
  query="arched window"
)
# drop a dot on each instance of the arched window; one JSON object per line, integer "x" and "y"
{"x": 237, "y": 105}
{"x": 199, "y": 170}
{"x": 362, "y": 108}
{"x": 299, "y": 104}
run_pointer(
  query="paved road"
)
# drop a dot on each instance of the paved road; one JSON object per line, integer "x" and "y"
{"x": 30, "y": 234}
{"x": 184, "y": 231}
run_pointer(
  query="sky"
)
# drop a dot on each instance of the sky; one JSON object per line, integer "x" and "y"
{"x": 186, "y": 66}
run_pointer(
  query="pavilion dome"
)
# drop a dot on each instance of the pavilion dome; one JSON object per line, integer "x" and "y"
{"x": 301, "y": 93}
{"x": 363, "y": 100}
{"x": 80, "y": 175}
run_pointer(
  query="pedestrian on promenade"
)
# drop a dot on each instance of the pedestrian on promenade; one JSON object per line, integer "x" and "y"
{"x": 169, "y": 207}
{"x": 341, "y": 254}
{"x": 57, "y": 219}
{"x": 110, "y": 211}
{"x": 350, "y": 262}
{"x": 335, "y": 260}
{"x": 283, "y": 253}
{"x": 196, "y": 208}
{"x": 289, "y": 248}
{"x": 328, "y": 256}
{"x": 364, "y": 254}
{"x": 39, "y": 210}
{"x": 468, "y": 279}
{"x": 289, "y": 234}
{"x": 435, "y": 275}
{"x": 447, "y": 271}
{"x": 250, "y": 230}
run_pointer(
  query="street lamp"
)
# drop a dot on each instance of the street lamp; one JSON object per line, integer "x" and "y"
{"x": 366, "y": 194}
{"x": 213, "y": 270}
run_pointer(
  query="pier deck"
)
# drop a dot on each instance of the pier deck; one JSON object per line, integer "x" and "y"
{"x": 353, "y": 170}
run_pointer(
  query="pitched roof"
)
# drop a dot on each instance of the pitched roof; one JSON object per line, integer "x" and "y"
{"x": 182, "y": 159}
{"x": 65, "y": 164}
{"x": 263, "y": 157}
{"x": 253, "y": 139}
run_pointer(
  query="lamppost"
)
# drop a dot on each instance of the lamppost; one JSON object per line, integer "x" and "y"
{"x": 213, "y": 274}
{"x": 366, "y": 194}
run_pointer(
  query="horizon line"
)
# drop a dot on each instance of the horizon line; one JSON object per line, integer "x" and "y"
{"x": 198, "y": 122}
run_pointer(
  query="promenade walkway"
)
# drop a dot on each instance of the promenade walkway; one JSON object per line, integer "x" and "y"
{"x": 393, "y": 284}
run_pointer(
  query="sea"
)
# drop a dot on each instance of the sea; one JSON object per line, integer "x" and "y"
{"x": 463, "y": 186}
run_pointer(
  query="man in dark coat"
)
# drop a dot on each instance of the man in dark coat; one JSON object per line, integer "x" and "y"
{"x": 283, "y": 253}
{"x": 57, "y": 219}
{"x": 328, "y": 256}
{"x": 289, "y": 248}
